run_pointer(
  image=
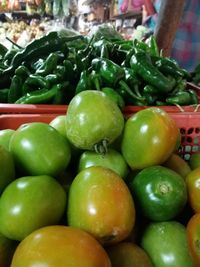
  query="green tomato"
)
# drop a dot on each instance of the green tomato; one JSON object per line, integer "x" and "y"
{"x": 7, "y": 167}
{"x": 59, "y": 124}
{"x": 159, "y": 192}
{"x": 149, "y": 138}
{"x": 166, "y": 244}
{"x": 112, "y": 160}
{"x": 39, "y": 149}
{"x": 100, "y": 203}
{"x": 29, "y": 203}
{"x": 5, "y": 136}
{"x": 93, "y": 121}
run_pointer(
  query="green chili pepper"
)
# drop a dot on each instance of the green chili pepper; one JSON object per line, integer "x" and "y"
{"x": 35, "y": 82}
{"x": 114, "y": 96}
{"x": 140, "y": 45}
{"x": 9, "y": 56}
{"x": 3, "y": 50}
{"x": 194, "y": 96}
{"x": 69, "y": 69}
{"x": 126, "y": 62}
{"x": 60, "y": 71}
{"x": 181, "y": 85}
{"x": 48, "y": 66}
{"x": 132, "y": 80}
{"x": 168, "y": 66}
{"x": 40, "y": 96}
{"x": 180, "y": 98}
{"x": 4, "y": 95}
{"x": 15, "y": 90}
{"x": 22, "y": 71}
{"x": 84, "y": 82}
{"x": 95, "y": 80}
{"x": 141, "y": 63}
{"x": 110, "y": 72}
{"x": 153, "y": 47}
{"x": 51, "y": 78}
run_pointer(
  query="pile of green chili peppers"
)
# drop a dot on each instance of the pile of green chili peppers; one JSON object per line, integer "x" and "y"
{"x": 54, "y": 68}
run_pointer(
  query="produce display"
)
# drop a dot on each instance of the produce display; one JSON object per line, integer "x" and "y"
{"x": 55, "y": 67}
{"x": 82, "y": 191}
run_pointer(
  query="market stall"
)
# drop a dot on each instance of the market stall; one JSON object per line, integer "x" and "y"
{"x": 99, "y": 138}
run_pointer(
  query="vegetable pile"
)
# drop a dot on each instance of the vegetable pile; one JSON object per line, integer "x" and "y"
{"x": 56, "y": 67}
{"x": 95, "y": 188}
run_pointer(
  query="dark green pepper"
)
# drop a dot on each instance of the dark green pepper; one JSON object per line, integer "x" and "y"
{"x": 42, "y": 96}
{"x": 51, "y": 78}
{"x": 110, "y": 72}
{"x": 132, "y": 80}
{"x": 180, "y": 98}
{"x": 3, "y": 50}
{"x": 15, "y": 90}
{"x": 114, "y": 96}
{"x": 4, "y": 95}
{"x": 153, "y": 47}
{"x": 22, "y": 71}
{"x": 84, "y": 82}
{"x": 35, "y": 82}
{"x": 48, "y": 66}
{"x": 169, "y": 66}
{"x": 141, "y": 63}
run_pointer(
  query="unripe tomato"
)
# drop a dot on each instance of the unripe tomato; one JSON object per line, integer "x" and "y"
{"x": 112, "y": 159}
{"x": 93, "y": 121}
{"x": 60, "y": 246}
{"x": 192, "y": 182}
{"x": 149, "y": 138}
{"x": 193, "y": 237}
{"x": 100, "y": 203}
{"x": 166, "y": 244}
{"x": 29, "y": 203}
{"x": 39, "y": 149}
{"x": 159, "y": 193}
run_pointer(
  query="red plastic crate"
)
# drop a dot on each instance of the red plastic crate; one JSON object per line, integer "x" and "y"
{"x": 188, "y": 123}
{"x": 13, "y": 121}
{"x": 61, "y": 109}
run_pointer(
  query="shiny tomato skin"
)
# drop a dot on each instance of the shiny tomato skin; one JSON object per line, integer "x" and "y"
{"x": 159, "y": 193}
{"x": 29, "y": 203}
{"x": 112, "y": 159}
{"x": 193, "y": 188}
{"x": 100, "y": 203}
{"x": 60, "y": 246}
{"x": 92, "y": 117}
{"x": 193, "y": 237}
{"x": 39, "y": 149}
{"x": 166, "y": 244}
{"x": 149, "y": 138}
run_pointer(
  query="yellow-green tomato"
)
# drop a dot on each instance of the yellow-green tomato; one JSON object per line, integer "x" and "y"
{"x": 100, "y": 203}
{"x": 7, "y": 168}
{"x": 39, "y": 149}
{"x": 59, "y": 124}
{"x": 5, "y": 136}
{"x": 29, "y": 203}
{"x": 149, "y": 138}
{"x": 112, "y": 160}
{"x": 93, "y": 121}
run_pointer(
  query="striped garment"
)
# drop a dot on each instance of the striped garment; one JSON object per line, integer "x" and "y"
{"x": 186, "y": 46}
